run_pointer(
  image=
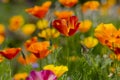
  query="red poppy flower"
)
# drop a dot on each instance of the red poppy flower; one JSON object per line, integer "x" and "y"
{"x": 39, "y": 11}
{"x": 66, "y": 26}
{"x": 10, "y": 53}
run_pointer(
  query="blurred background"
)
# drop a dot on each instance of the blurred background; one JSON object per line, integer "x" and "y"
{"x": 10, "y": 8}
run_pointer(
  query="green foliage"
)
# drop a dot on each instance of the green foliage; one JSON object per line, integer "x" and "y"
{"x": 5, "y": 70}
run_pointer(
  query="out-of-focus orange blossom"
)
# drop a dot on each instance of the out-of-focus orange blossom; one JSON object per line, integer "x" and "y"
{"x": 63, "y": 14}
{"x": 68, "y": 3}
{"x": 16, "y": 22}
{"x": 39, "y": 11}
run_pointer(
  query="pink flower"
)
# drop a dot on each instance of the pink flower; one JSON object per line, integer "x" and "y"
{"x": 41, "y": 75}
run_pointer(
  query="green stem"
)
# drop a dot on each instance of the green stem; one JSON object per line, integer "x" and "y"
{"x": 67, "y": 49}
{"x": 10, "y": 69}
{"x": 116, "y": 70}
{"x": 68, "y": 53}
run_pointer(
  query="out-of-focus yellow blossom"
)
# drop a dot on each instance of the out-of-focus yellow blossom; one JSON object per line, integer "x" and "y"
{"x": 63, "y": 14}
{"x": 118, "y": 10}
{"x": 73, "y": 58}
{"x": 2, "y": 29}
{"x": 2, "y": 38}
{"x": 104, "y": 9}
{"x": 2, "y": 33}
{"x": 110, "y": 3}
{"x": 1, "y": 58}
{"x": 49, "y": 33}
{"x": 20, "y": 76}
{"x": 28, "y": 29}
{"x": 42, "y": 24}
{"x": 92, "y": 5}
{"x": 108, "y": 27}
{"x": 57, "y": 70}
{"x": 54, "y": 47}
{"x": 106, "y": 6}
{"x": 16, "y": 22}
{"x": 85, "y": 26}
{"x": 114, "y": 57}
{"x": 90, "y": 42}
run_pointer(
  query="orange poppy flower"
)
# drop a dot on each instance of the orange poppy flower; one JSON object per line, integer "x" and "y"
{"x": 108, "y": 35}
{"x": 40, "y": 49}
{"x": 10, "y": 53}
{"x": 16, "y": 22}
{"x": 102, "y": 31}
{"x": 68, "y": 3}
{"x": 67, "y": 26}
{"x": 28, "y": 59}
{"x": 39, "y": 11}
{"x": 29, "y": 42}
{"x": 92, "y": 5}
{"x": 63, "y": 14}
{"x": 2, "y": 33}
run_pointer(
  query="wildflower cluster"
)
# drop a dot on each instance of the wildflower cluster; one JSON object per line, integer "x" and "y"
{"x": 60, "y": 40}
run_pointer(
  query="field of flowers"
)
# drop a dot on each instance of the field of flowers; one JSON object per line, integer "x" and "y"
{"x": 59, "y": 40}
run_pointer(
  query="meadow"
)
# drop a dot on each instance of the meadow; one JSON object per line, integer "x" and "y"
{"x": 59, "y": 40}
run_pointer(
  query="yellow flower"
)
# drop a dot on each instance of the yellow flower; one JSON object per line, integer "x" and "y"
{"x": 16, "y": 22}
{"x": 2, "y": 29}
{"x": 57, "y": 70}
{"x": 90, "y": 42}
{"x": 49, "y": 33}
{"x": 104, "y": 9}
{"x": 2, "y": 38}
{"x": 20, "y": 76}
{"x": 73, "y": 58}
{"x": 28, "y": 29}
{"x": 118, "y": 11}
{"x": 85, "y": 25}
{"x": 111, "y": 2}
{"x": 42, "y": 24}
{"x": 1, "y": 58}
{"x": 108, "y": 27}
{"x": 106, "y": 6}
{"x": 2, "y": 33}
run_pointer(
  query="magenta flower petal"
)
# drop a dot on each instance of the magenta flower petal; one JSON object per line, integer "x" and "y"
{"x": 42, "y": 75}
